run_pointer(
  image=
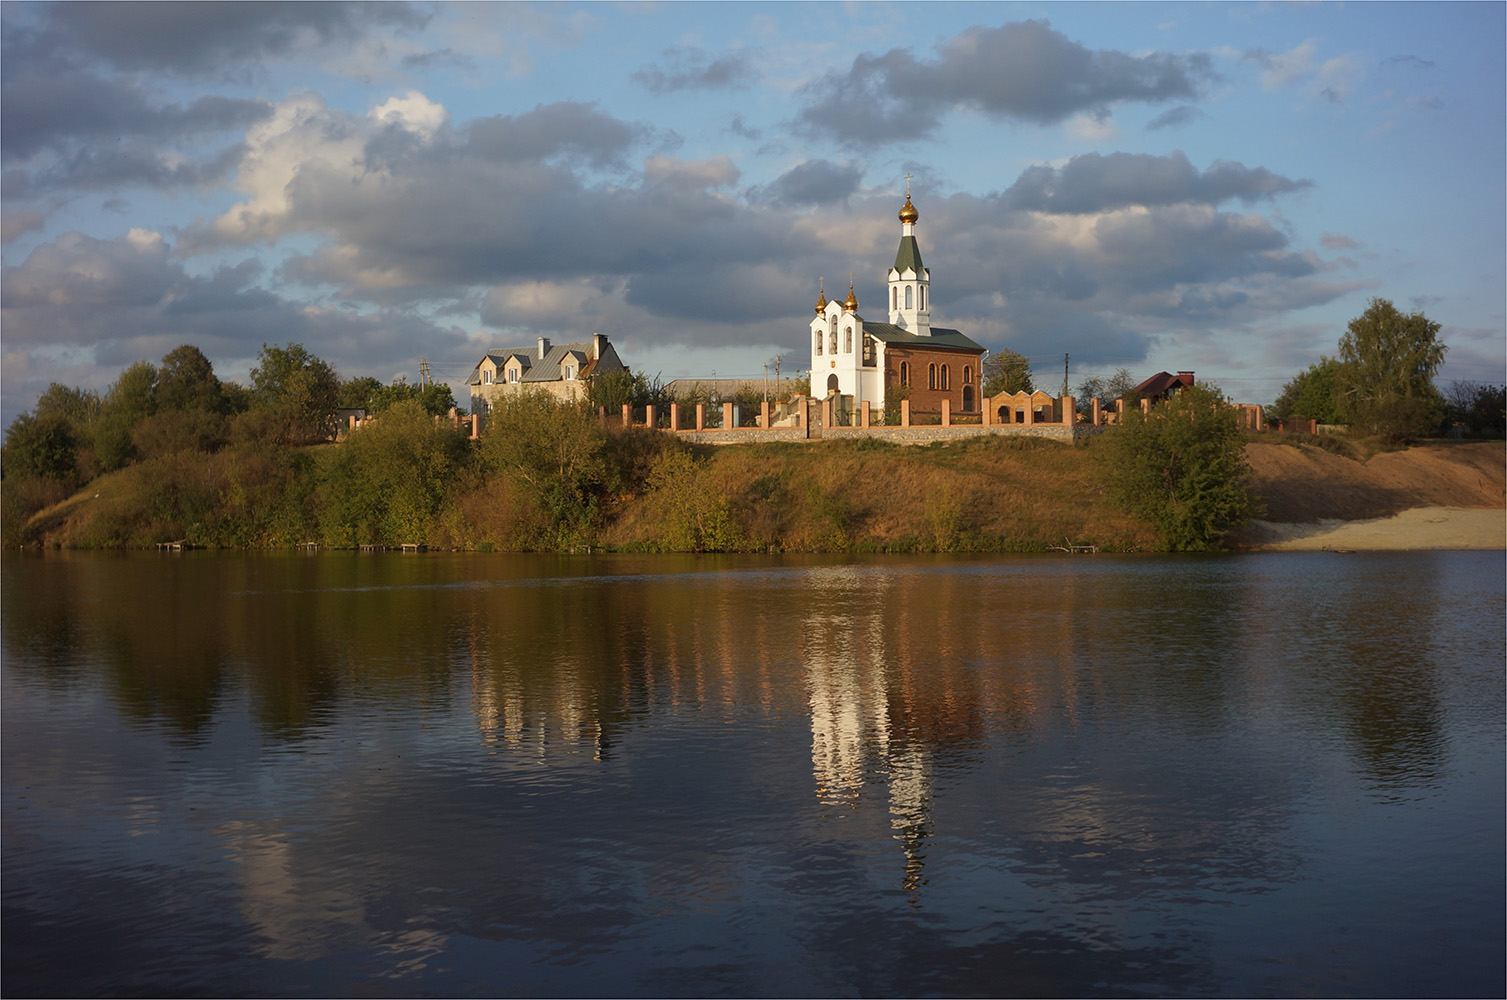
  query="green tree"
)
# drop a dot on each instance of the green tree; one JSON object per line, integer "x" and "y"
{"x": 41, "y": 447}
{"x": 389, "y": 482}
{"x": 186, "y": 381}
{"x": 299, "y": 387}
{"x": 1181, "y": 467}
{"x": 1311, "y": 394}
{"x": 1386, "y": 381}
{"x": 1118, "y": 386}
{"x": 132, "y": 399}
{"x": 79, "y": 406}
{"x": 556, "y": 451}
{"x": 1005, "y": 370}
{"x": 367, "y": 393}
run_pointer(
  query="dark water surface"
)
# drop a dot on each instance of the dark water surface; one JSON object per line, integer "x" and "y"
{"x": 1279, "y": 774}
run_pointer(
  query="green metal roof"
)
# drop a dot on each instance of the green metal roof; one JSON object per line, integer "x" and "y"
{"x": 909, "y": 255}
{"x": 940, "y": 337}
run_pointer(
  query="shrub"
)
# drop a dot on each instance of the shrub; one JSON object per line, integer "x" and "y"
{"x": 1181, "y": 467}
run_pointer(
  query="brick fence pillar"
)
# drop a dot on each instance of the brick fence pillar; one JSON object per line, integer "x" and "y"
{"x": 649, "y": 415}
{"x": 701, "y": 416}
{"x": 805, "y": 415}
{"x": 987, "y": 406}
{"x": 475, "y": 426}
{"x": 946, "y": 413}
{"x": 1030, "y": 411}
{"x": 627, "y": 415}
{"x": 1069, "y": 410}
{"x": 1095, "y": 412}
{"x": 866, "y": 416}
{"x": 674, "y": 416}
{"x": 764, "y": 414}
{"x": 904, "y": 413}
{"x": 826, "y": 413}
{"x": 728, "y": 420}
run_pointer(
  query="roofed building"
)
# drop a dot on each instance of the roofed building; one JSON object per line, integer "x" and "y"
{"x": 558, "y": 369}
{"x": 867, "y": 360}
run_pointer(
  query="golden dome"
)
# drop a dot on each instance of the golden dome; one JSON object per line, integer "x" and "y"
{"x": 851, "y": 302}
{"x": 821, "y": 302}
{"x": 908, "y": 211}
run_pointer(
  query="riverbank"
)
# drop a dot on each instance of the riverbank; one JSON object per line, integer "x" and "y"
{"x": 979, "y": 495}
{"x": 1434, "y": 496}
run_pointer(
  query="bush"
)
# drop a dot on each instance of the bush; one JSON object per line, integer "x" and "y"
{"x": 389, "y": 482}
{"x": 1180, "y": 467}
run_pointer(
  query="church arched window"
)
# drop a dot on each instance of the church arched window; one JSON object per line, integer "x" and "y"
{"x": 907, "y": 296}
{"x": 895, "y": 297}
{"x": 931, "y": 376}
{"x": 818, "y": 343}
{"x": 832, "y": 331}
{"x": 847, "y": 340}
{"x": 946, "y": 381}
{"x": 904, "y": 373}
{"x": 923, "y": 298}
{"x": 967, "y": 375}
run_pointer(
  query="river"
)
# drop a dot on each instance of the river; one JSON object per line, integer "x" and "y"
{"x": 339, "y": 774}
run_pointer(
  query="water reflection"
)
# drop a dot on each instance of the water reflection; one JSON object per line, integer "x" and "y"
{"x": 700, "y": 775}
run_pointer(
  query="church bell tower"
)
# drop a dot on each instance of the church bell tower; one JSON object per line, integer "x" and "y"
{"x": 909, "y": 280}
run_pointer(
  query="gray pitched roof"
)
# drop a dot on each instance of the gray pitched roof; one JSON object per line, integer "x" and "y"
{"x": 535, "y": 368}
{"x": 940, "y": 337}
{"x": 909, "y": 255}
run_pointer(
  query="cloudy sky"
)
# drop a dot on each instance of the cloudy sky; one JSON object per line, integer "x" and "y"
{"x": 1209, "y": 187}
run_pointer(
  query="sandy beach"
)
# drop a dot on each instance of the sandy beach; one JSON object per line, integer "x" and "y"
{"x": 1418, "y": 528}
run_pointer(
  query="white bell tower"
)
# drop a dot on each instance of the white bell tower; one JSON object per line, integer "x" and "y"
{"x": 909, "y": 280}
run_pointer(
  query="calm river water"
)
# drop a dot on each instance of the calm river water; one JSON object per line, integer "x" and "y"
{"x": 1274, "y": 774}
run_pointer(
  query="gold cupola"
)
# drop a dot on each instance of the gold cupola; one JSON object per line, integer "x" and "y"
{"x": 821, "y": 300}
{"x": 851, "y": 302}
{"x": 908, "y": 213}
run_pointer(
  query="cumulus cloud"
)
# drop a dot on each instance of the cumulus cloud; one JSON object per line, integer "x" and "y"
{"x": 1023, "y": 71}
{"x": 690, "y": 69}
{"x": 128, "y": 299}
{"x": 208, "y": 38}
{"x": 1096, "y": 183}
{"x": 815, "y": 182}
{"x": 1334, "y": 241}
{"x": 1183, "y": 114}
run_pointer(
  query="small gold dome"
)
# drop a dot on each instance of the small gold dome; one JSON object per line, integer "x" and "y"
{"x": 908, "y": 211}
{"x": 851, "y": 302}
{"x": 821, "y": 302}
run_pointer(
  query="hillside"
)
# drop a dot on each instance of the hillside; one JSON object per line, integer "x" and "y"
{"x": 986, "y": 494}
{"x": 1305, "y": 484}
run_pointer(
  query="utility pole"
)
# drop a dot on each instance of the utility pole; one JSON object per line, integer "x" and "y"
{"x": 766, "y": 381}
{"x": 1064, "y": 374}
{"x": 423, "y": 374}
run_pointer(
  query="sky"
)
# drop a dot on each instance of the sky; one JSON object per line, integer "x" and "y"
{"x": 1214, "y": 187}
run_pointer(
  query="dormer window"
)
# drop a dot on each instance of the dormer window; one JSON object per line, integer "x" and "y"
{"x": 512, "y": 375}
{"x": 486, "y": 377}
{"x": 570, "y": 373}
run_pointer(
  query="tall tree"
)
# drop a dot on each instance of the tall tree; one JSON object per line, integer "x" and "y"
{"x": 186, "y": 381}
{"x": 1311, "y": 394}
{"x": 1005, "y": 370}
{"x": 300, "y": 387}
{"x": 1386, "y": 380}
{"x": 1109, "y": 389}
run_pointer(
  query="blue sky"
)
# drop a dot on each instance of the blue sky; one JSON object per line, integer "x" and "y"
{"x": 1154, "y": 186}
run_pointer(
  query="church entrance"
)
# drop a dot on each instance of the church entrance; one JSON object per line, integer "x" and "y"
{"x": 831, "y": 383}
{"x": 967, "y": 399}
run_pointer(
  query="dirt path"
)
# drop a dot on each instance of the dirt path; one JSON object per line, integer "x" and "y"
{"x": 1445, "y": 496}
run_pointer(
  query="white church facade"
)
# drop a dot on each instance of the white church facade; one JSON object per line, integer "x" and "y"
{"x": 906, "y": 356}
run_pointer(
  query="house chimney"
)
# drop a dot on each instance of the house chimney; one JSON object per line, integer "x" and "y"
{"x": 1186, "y": 378}
{"x": 597, "y": 343}
{"x": 543, "y": 347}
